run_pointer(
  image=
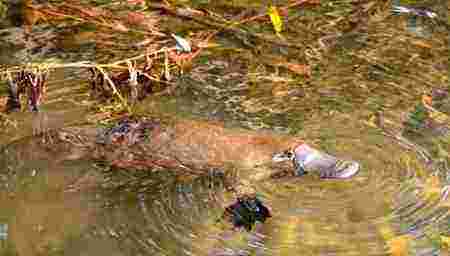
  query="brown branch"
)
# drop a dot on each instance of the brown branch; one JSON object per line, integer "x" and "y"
{"x": 218, "y": 24}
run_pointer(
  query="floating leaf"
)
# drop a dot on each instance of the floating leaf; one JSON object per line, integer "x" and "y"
{"x": 386, "y": 232}
{"x": 427, "y": 100}
{"x": 300, "y": 69}
{"x": 398, "y": 246}
{"x": 275, "y": 18}
{"x": 438, "y": 116}
{"x": 372, "y": 122}
{"x": 182, "y": 44}
{"x": 421, "y": 43}
{"x": 136, "y": 2}
{"x": 120, "y": 27}
{"x": 445, "y": 241}
{"x": 432, "y": 187}
{"x": 31, "y": 15}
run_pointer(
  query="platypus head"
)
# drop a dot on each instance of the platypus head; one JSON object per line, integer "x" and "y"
{"x": 305, "y": 158}
{"x": 296, "y": 155}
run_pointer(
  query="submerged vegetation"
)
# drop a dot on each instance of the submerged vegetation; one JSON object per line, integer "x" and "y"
{"x": 363, "y": 78}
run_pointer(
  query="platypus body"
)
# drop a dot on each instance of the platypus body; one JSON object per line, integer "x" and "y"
{"x": 191, "y": 146}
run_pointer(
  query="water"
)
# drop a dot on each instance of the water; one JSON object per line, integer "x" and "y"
{"x": 397, "y": 205}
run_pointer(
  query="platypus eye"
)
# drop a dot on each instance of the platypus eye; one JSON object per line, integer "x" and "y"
{"x": 289, "y": 154}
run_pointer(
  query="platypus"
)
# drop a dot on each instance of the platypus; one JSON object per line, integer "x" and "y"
{"x": 197, "y": 147}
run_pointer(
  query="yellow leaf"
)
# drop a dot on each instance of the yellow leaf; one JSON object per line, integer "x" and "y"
{"x": 398, "y": 246}
{"x": 432, "y": 187}
{"x": 386, "y": 232}
{"x": 445, "y": 241}
{"x": 439, "y": 116}
{"x": 275, "y": 18}
{"x": 372, "y": 122}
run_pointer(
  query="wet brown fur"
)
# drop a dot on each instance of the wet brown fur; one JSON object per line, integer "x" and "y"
{"x": 186, "y": 145}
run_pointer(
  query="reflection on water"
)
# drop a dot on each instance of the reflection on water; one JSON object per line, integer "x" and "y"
{"x": 394, "y": 204}
{"x": 363, "y": 101}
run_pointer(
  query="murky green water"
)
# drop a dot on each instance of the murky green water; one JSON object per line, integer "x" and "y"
{"x": 374, "y": 62}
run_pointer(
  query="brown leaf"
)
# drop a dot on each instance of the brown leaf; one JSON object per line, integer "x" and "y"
{"x": 280, "y": 90}
{"x": 148, "y": 21}
{"x": 135, "y": 18}
{"x": 31, "y": 14}
{"x": 189, "y": 12}
{"x": 300, "y": 69}
{"x": 421, "y": 43}
{"x": 142, "y": 2}
{"x": 427, "y": 100}
{"x": 120, "y": 27}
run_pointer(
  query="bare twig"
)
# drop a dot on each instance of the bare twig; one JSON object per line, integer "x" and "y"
{"x": 132, "y": 81}
{"x": 114, "y": 88}
{"x": 230, "y": 26}
{"x": 83, "y": 64}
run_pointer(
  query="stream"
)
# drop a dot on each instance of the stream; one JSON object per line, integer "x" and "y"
{"x": 366, "y": 82}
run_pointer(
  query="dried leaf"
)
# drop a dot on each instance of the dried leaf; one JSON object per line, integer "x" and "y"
{"x": 298, "y": 68}
{"x": 421, "y": 43}
{"x": 136, "y": 2}
{"x": 427, "y": 100}
{"x": 120, "y": 27}
{"x": 280, "y": 90}
{"x": 275, "y": 18}
{"x": 31, "y": 14}
{"x": 135, "y": 18}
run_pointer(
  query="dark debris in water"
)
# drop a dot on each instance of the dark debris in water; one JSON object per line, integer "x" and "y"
{"x": 30, "y": 83}
{"x": 245, "y": 212}
{"x": 127, "y": 131}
